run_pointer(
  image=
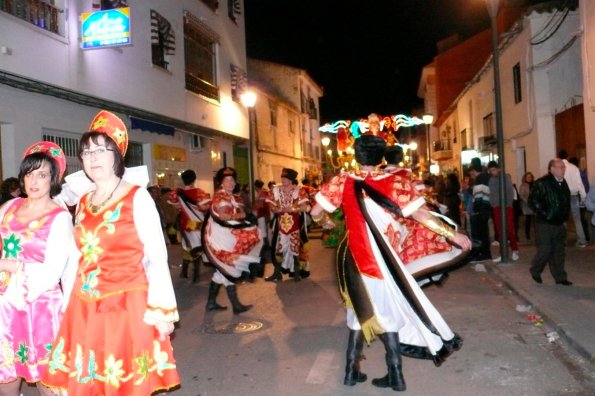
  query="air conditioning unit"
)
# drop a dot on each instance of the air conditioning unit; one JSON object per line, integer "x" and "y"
{"x": 195, "y": 144}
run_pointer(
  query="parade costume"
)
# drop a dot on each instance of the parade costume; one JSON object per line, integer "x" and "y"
{"x": 31, "y": 299}
{"x": 32, "y": 304}
{"x": 189, "y": 201}
{"x": 290, "y": 237}
{"x": 232, "y": 246}
{"x": 107, "y": 343}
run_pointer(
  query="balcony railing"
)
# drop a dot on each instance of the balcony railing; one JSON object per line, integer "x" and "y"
{"x": 442, "y": 149}
{"x": 37, "y": 12}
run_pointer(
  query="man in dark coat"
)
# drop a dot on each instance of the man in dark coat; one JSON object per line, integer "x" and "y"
{"x": 550, "y": 199}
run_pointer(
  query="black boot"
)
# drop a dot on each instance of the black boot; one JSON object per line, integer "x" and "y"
{"x": 394, "y": 379}
{"x": 297, "y": 269}
{"x": 353, "y": 375}
{"x": 196, "y": 273}
{"x": 238, "y": 307}
{"x": 277, "y": 276}
{"x": 212, "y": 301}
{"x": 184, "y": 272}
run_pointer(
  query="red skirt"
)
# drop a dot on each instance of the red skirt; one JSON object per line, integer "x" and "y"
{"x": 105, "y": 348}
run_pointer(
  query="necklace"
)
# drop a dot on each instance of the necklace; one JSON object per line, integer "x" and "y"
{"x": 96, "y": 208}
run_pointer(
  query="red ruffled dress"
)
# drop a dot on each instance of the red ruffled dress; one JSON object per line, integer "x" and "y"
{"x": 107, "y": 344}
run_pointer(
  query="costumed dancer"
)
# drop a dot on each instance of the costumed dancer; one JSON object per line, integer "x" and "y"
{"x": 382, "y": 297}
{"x": 114, "y": 337}
{"x": 288, "y": 204}
{"x": 36, "y": 236}
{"x": 231, "y": 241}
{"x": 425, "y": 253}
{"x": 193, "y": 202}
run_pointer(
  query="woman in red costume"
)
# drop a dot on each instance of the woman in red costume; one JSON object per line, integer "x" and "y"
{"x": 114, "y": 338}
{"x": 382, "y": 297}
{"x": 231, "y": 242}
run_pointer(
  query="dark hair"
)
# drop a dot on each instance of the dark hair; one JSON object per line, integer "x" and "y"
{"x": 393, "y": 154}
{"x": 258, "y": 183}
{"x": 9, "y": 185}
{"x": 35, "y": 161}
{"x": 563, "y": 154}
{"x": 369, "y": 149}
{"x": 574, "y": 161}
{"x": 188, "y": 177}
{"x": 93, "y": 136}
{"x": 493, "y": 164}
{"x": 222, "y": 173}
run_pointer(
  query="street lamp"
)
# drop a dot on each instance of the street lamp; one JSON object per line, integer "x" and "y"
{"x": 248, "y": 99}
{"x": 428, "y": 119}
{"x": 493, "y": 6}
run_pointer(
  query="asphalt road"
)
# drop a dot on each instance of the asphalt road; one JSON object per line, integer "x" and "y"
{"x": 293, "y": 341}
{"x": 300, "y": 348}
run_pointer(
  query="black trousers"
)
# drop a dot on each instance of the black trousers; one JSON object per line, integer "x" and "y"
{"x": 480, "y": 232}
{"x": 550, "y": 241}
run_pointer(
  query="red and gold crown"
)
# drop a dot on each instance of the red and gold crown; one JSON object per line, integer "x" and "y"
{"x": 112, "y": 126}
{"x": 53, "y": 150}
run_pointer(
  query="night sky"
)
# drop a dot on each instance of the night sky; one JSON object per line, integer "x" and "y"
{"x": 366, "y": 55}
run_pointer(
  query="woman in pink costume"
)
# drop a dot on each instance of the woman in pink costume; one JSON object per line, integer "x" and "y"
{"x": 36, "y": 238}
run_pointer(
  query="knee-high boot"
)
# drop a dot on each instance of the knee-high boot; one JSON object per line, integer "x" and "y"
{"x": 184, "y": 272}
{"x": 297, "y": 269}
{"x": 394, "y": 379}
{"x": 196, "y": 274}
{"x": 353, "y": 375}
{"x": 212, "y": 301}
{"x": 238, "y": 307}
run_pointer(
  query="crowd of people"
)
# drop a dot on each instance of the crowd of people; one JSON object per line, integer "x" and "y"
{"x": 86, "y": 255}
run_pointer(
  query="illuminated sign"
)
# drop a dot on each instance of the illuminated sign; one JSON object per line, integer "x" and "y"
{"x": 107, "y": 28}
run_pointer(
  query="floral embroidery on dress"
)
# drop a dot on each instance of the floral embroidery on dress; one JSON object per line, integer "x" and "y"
{"x": 286, "y": 222}
{"x": 91, "y": 249}
{"x": 12, "y": 246}
{"x": 114, "y": 373}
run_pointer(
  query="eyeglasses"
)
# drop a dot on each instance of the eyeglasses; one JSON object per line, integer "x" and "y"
{"x": 99, "y": 151}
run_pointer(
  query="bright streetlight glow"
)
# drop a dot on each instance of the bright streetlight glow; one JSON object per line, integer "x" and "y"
{"x": 248, "y": 98}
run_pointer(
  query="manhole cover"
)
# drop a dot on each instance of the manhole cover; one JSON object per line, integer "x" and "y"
{"x": 233, "y": 328}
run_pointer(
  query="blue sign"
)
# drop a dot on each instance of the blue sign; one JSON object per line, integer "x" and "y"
{"x": 107, "y": 28}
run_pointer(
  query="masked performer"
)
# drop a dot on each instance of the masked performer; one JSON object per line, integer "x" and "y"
{"x": 36, "y": 236}
{"x": 114, "y": 338}
{"x": 232, "y": 242}
{"x": 382, "y": 297}
{"x": 289, "y": 203}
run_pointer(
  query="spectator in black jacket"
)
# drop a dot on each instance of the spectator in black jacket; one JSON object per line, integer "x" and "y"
{"x": 550, "y": 199}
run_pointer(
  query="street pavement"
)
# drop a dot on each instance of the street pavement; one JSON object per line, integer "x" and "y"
{"x": 568, "y": 309}
{"x": 278, "y": 348}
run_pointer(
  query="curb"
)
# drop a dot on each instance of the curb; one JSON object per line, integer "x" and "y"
{"x": 548, "y": 316}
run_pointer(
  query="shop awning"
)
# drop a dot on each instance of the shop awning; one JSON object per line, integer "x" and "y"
{"x": 151, "y": 126}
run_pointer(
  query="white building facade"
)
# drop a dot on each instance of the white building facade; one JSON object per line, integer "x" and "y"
{"x": 176, "y": 85}
{"x": 286, "y": 121}
{"x": 541, "y": 79}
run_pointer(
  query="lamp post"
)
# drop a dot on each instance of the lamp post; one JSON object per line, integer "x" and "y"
{"x": 428, "y": 119}
{"x": 493, "y": 6}
{"x": 248, "y": 99}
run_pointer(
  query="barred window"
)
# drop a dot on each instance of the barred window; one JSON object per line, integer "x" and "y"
{"x": 200, "y": 57}
{"x": 134, "y": 154}
{"x": 69, "y": 144}
{"x": 163, "y": 40}
{"x": 43, "y": 14}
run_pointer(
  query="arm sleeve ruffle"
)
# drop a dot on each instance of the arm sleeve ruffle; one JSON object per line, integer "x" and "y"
{"x": 161, "y": 302}
{"x": 41, "y": 277}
